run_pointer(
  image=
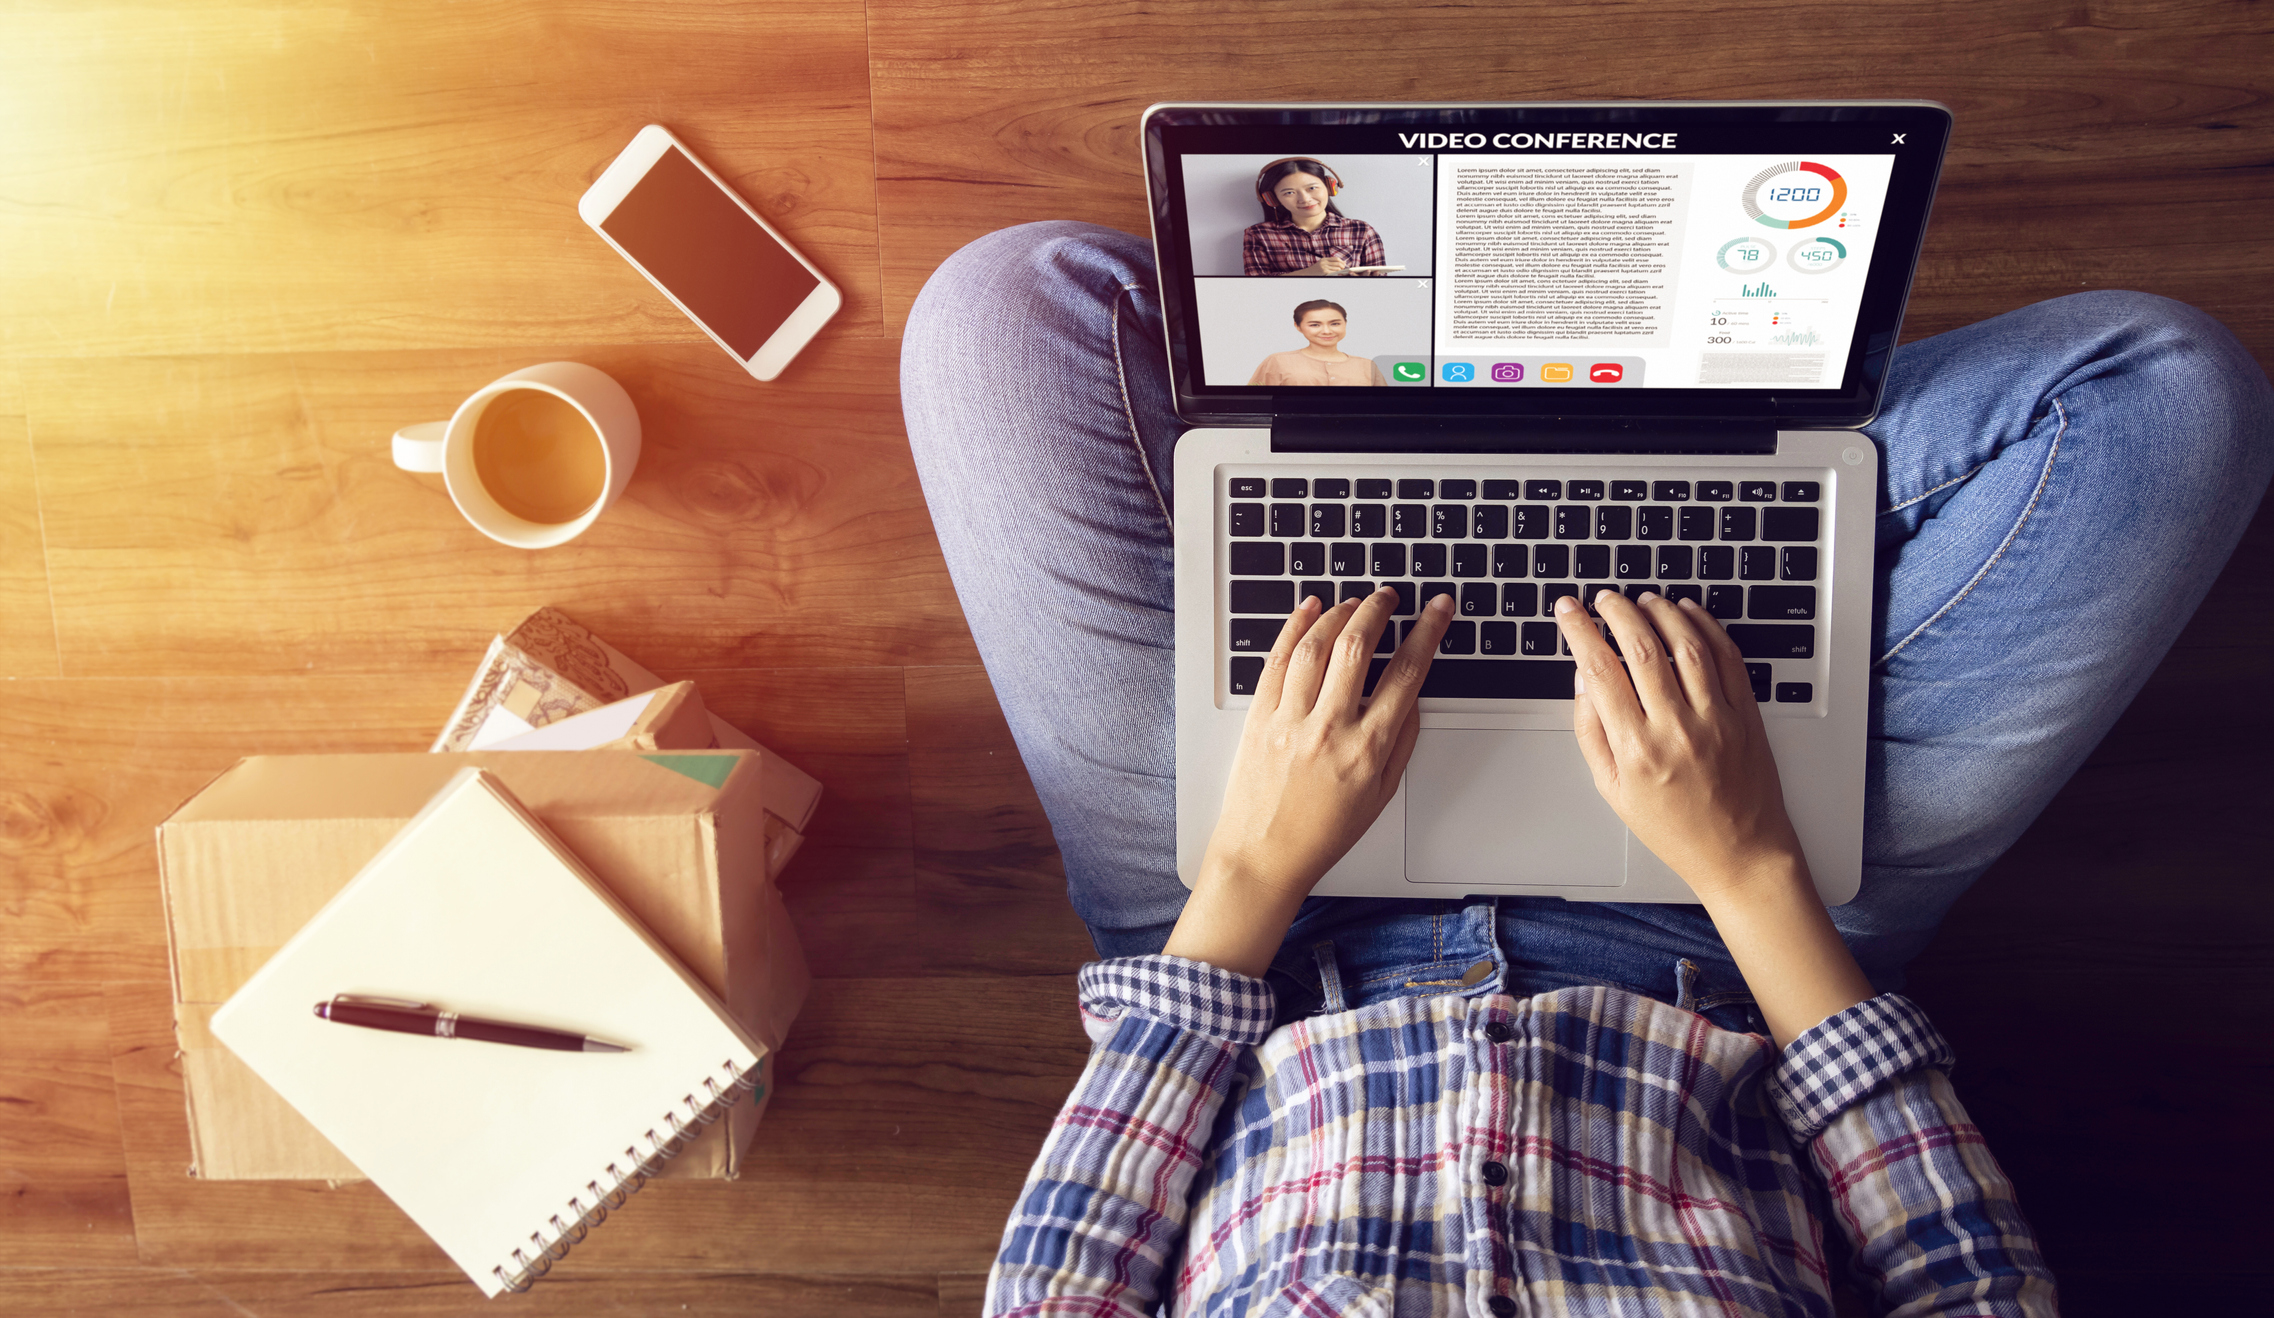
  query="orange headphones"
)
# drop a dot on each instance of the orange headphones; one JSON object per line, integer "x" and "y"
{"x": 1333, "y": 180}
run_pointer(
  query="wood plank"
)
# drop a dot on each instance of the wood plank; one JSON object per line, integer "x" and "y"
{"x": 202, "y": 1294}
{"x": 907, "y": 1115}
{"x": 962, "y": 1294}
{"x": 63, "y": 1193}
{"x": 267, "y": 531}
{"x": 27, "y": 636}
{"x": 239, "y": 177}
{"x": 989, "y": 879}
{"x": 856, "y": 912}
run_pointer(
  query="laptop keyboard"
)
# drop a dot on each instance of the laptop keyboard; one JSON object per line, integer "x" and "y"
{"x": 1748, "y": 548}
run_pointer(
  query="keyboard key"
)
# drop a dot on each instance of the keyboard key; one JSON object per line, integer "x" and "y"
{"x": 1540, "y": 639}
{"x": 1265, "y": 558}
{"x": 1255, "y": 634}
{"x": 1758, "y": 675}
{"x": 1614, "y": 523}
{"x": 1695, "y": 524}
{"x": 1519, "y": 599}
{"x": 1674, "y": 562}
{"x": 1330, "y": 487}
{"x": 1716, "y": 563}
{"x": 1511, "y": 560}
{"x": 1509, "y": 491}
{"x": 1551, "y": 561}
{"x": 1468, "y": 560}
{"x": 1800, "y": 492}
{"x": 1636, "y": 591}
{"x": 1781, "y": 602}
{"x": 1530, "y": 521}
{"x": 1355, "y": 590}
{"x": 1449, "y": 521}
{"x": 1246, "y": 518}
{"x": 1587, "y": 489}
{"x": 1479, "y": 599}
{"x": 1373, "y": 489}
{"x": 1287, "y": 519}
{"x": 1496, "y": 638}
{"x": 1670, "y": 491}
{"x": 1247, "y": 487}
{"x": 1543, "y": 489}
{"x": 1387, "y": 642}
{"x": 1756, "y": 563}
{"x": 1404, "y": 606}
{"x": 1573, "y": 521}
{"x": 1800, "y": 563}
{"x": 1327, "y": 520}
{"x": 1428, "y": 561}
{"x": 1714, "y": 491}
{"x": 1410, "y": 488}
{"x": 1757, "y": 491}
{"x": 1679, "y": 593}
{"x": 1347, "y": 560}
{"x": 1460, "y": 638}
{"x": 1591, "y": 594}
{"x": 1654, "y": 523}
{"x": 1630, "y": 491}
{"x": 1306, "y": 558}
{"x": 1263, "y": 597}
{"x": 1549, "y": 594}
{"x": 1322, "y": 591}
{"x": 1737, "y": 523}
{"x": 1725, "y": 602}
{"x": 1388, "y": 561}
{"x": 1491, "y": 522}
{"x": 1761, "y": 640}
{"x": 1457, "y": 489}
{"x": 1489, "y": 679}
{"x": 1789, "y": 523}
{"x": 1795, "y": 693}
{"x": 1409, "y": 521}
{"x": 1245, "y": 671}
{"x": 1370, "y": 521}
{"x": 1289, "y": 487}
{"x": 1404, "y": 629}
{"x": 1432, "y": 589}
{"x": 1632, "y": 563}
{"x": 1593, "y": 560}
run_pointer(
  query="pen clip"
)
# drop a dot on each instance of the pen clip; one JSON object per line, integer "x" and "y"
{"x": 373, "y": 1000}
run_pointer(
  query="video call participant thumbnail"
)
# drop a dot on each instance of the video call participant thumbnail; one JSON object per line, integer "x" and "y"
{"x": 1320, "y": 360}
{"x": 1303, "y": 231}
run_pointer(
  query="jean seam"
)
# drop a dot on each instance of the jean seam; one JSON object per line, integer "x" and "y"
{"x": 1966, "y": 475}
{"x": 2044, "y": 477}
{"x": 1129, "y": 411}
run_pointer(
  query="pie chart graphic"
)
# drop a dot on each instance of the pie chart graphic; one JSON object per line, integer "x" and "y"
{"x": 1839, "y": 193}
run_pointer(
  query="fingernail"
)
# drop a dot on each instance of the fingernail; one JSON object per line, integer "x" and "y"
{"x": 1602, "y": 595}
{"x": 1646, "y": 595}
{"x": 1565, "y": 604}
{"x": 1578, "y": 683}
{"x": 1686, "y": 602}
{"x": 1442, "y": 603}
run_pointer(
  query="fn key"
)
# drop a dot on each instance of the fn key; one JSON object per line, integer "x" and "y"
{"x": 1246, "y": 670}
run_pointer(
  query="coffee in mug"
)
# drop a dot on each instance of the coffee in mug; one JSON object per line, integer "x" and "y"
{"x": 532, "y": 458}
{"x": 538, "y": 457}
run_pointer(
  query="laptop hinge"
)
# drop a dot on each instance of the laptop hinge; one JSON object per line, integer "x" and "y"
{"x": 1412, "y": 434}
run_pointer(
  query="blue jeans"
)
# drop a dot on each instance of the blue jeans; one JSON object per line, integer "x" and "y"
{"x": 2061, "y": 484}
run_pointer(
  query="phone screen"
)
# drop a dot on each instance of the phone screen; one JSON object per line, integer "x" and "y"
{"x": 698, "y": 243}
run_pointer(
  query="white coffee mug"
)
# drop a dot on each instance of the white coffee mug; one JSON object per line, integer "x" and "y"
{"x": 449, "y": 447}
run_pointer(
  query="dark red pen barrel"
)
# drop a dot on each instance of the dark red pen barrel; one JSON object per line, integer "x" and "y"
{"x": 499, "y": 1032}
{"x": 380, "y": 1018}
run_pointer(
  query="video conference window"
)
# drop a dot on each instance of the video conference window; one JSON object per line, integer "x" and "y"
{"x": 1628, "y": 269}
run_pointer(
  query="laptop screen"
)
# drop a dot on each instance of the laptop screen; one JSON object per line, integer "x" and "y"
{"x": 1635, "y": 260}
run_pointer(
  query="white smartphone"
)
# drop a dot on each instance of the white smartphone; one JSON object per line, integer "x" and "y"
{"x": 679, "y": 224}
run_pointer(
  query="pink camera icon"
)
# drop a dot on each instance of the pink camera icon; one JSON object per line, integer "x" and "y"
{"x": 1507, "y": 372}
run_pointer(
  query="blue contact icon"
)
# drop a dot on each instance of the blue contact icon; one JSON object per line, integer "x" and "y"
{"x": 1459, "y": 372}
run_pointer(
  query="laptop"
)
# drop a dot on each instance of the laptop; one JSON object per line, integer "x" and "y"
{"x": 1510, "y": 352}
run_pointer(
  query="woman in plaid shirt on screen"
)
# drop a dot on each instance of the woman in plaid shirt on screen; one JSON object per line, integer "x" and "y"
{"x": 1303, "y": 231}
{"x": 1508, "y": 1106}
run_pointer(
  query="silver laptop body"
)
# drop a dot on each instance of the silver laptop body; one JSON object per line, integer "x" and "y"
{"x": 1717, "y": 454}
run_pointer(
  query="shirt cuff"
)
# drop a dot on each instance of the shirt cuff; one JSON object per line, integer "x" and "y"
{"x": 1191, "y": 995}
{"x": 1835, "y": 1063}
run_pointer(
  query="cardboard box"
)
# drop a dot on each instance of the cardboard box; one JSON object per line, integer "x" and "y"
{"x": 549, "y": 668}
{"x": 669, "y": 718}
{"x": 679, "y": 837}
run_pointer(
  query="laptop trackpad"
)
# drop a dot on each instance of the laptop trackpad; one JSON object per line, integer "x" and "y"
{"x": 1508, "y": 807}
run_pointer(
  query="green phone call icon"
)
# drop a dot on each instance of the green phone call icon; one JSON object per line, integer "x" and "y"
{"x": 1409, "y": 372}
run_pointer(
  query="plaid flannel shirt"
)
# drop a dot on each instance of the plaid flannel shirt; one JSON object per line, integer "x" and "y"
{"x": 1586, "y": 1151}
{"x": 1277, "y": 247}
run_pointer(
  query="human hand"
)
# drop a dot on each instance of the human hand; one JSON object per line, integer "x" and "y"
{"x": 1326, "y": 265}
{"x": 1314, "y": 770}
{"x": 1678, "y": 749}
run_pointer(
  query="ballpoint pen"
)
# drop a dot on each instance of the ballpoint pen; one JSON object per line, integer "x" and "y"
{"x": 406, "y": 1017}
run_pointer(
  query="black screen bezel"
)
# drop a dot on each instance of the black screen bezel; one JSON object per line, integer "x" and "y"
{"x": 1171, "y": 131}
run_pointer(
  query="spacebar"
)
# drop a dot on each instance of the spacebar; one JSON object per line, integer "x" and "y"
{"x": 1489, "y": 679}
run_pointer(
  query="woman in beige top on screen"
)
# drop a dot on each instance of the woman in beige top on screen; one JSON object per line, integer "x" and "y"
{"x": 1319, "y": 361}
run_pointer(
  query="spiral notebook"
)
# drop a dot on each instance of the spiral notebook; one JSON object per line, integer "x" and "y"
{"x": 506, "y": 1156}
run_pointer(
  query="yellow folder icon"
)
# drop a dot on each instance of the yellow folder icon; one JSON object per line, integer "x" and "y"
{"x": 1555, "y": 373}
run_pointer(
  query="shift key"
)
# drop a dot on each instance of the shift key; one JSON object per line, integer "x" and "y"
{"x": 1758, "y": 640}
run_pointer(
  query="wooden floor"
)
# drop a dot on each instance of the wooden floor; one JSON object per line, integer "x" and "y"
{"x": 245, "y": 241}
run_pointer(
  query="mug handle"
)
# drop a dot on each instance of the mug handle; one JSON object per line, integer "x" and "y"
{"x": 419, "y": 447}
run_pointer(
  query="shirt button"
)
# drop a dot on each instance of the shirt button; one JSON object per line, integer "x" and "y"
{"x": 1501, "y": 1306}
{"x": 1498, "y": 1032}
{"x": 1495, "y": 1174}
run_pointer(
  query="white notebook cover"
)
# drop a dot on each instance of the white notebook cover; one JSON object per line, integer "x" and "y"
{"x": 475, "y": 908}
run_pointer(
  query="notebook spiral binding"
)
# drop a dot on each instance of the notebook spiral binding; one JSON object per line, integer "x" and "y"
{"x": 583, "y": 1214}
